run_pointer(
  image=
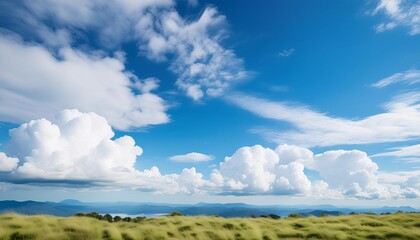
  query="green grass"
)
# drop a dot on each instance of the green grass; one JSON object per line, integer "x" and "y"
{"x": 393, "y": 226}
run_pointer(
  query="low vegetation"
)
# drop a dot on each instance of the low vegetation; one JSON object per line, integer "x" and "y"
{"x": 175, "y": 226}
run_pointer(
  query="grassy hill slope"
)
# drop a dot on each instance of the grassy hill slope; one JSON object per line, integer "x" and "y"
{"x": 393, "y": 226}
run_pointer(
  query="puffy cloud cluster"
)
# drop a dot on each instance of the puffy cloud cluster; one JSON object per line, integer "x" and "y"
{"x": 399, "y": 12}
{"x": 203, "y": 66}
{"x": 292, "y": 153}
{"x": 80, "y": 150}
{"x": 256, "y": 170}
{"x": 34, "y": 83}
{"x": 351, "y": 172}
{"x": 344, "y": 173}
{"x": 73, "y": 146}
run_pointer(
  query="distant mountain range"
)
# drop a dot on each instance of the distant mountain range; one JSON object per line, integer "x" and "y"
{"x": 70, "y": 207}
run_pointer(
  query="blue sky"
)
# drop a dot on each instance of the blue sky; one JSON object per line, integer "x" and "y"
{"x": 188, "y": 101}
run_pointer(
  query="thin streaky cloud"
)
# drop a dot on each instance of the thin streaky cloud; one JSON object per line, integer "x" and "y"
{"x": 406, "y": 153}
{"x": 287, "y": 52}
{"x": 399, "y": 122}
{"x": 409, "y": 77}
{"x": 192, "y": 157}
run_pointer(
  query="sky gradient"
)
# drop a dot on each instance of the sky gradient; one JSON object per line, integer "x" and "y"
{"x": 287, "y": 102}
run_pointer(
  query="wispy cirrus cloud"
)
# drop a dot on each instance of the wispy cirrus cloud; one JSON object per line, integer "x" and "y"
{"x": 409, "y": 77}
{"x": 405, "y": 153}
{"x": 287, "y": 52}
{"x": 398, "y": 123}
{"x": 399, "y": 13}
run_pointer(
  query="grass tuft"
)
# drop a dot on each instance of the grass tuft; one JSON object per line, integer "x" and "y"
{"x": 21, "y": 236}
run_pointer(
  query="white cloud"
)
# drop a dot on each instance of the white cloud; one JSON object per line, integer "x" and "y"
{"x": 398, "y": 123}
{"x": 291, "y": 153}
{"x": 399, "y": 12}
{"x": 7, "y": 164}
{"x": 287, "y": 52}
{"x": 79, "y": 150}
{"x": 344, "y": 174}
{"x": 191, "y": 182}
{"x": 391, "y": 6}
{"x": 194, "y": 91}
{"x": 193, "y": 47}
{"x": 384, "y": 27}
{"x": 111, "y": 22}
{"x": 407, "y": 182}
{"x": 203, "y": 66}
{"x": 397, "y": 177}
{"x": 351, "y": 172}
{"x": 192, "y": 157}
{"x": 258, "y": 170}
{"x": 406, "y": 153}
{"x": 73, "y": 146}
{"x": 34, "y": 84}
{"x": 409, "y": 77}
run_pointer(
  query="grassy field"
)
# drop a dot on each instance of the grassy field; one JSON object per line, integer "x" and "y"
{"x": 393, "y": 226}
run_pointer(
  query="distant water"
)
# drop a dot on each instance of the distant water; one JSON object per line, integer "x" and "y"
{"x": 123, "y": 215}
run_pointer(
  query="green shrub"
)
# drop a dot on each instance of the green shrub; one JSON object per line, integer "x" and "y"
{"x": 174, "y": 214}
{"x": 295, "y": 215}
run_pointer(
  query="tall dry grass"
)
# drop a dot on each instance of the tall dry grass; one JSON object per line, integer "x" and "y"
{"x": 394, "y": 226}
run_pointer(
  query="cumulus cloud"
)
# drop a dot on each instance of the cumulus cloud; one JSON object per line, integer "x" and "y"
{"x": 192, "y": 157}
{"x": 190, "y": 181}
{"x": 257, "y": 170}
{"x": 291, "y": 153}
{"x": 203, "y": 66}
{"x": 409, "y": 77}
{"x": 398, "y": 123}
{"x": 34, "y": 83}
{"x": 79, "y": 150}
{"x": 7, "y": 164}
{"x": 399, "y": 13}
{"x": 72, "y": 146}
{"x": 351, "y": 172}
{"x": 407, "y": 182}
{"x": 344, "y": 174}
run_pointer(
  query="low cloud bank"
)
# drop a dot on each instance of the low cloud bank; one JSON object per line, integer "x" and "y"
{"x": 79, "y": 149}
